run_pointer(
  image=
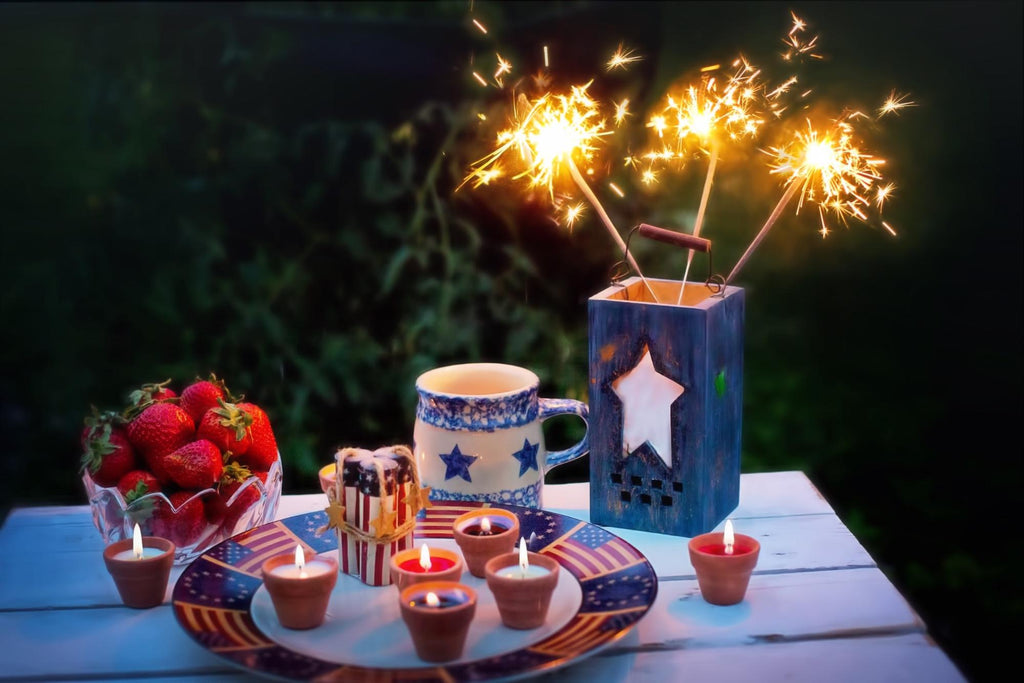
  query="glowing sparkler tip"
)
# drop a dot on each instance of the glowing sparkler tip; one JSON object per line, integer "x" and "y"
{"x": 894, "y": 103}
{"x": 621, "y": 58}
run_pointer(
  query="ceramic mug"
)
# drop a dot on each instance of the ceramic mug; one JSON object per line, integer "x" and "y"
{"x": 478, "y": 433}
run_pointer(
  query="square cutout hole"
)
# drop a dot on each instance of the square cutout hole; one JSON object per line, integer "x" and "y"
{"x": 656, "y": 484}
{"x": 617, "y": 478}
{"x": 645, "y": 498}
{"x": 635, "y": 480}
{"x": 677, "y": 486}
{"x": 666, "y": 501}
{"x": 625, "y": 496}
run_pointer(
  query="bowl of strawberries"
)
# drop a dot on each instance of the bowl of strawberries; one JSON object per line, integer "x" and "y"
{"x": 195, "y": 467}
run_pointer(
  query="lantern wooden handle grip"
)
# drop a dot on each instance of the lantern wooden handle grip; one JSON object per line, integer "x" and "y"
{"x": 678, "y": 239}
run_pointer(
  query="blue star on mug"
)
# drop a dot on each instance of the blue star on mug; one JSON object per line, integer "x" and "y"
{"x": 527, "y": 457}
{"x": 457, "y": 464}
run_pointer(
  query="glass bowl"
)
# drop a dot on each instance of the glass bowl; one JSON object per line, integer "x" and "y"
{"x": 199, "y": 522}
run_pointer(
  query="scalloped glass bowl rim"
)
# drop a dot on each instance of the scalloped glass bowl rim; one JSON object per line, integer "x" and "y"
{"x": 139, "y": 503}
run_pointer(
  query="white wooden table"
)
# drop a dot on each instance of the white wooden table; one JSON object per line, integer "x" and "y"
{"x": 817, "y": 609}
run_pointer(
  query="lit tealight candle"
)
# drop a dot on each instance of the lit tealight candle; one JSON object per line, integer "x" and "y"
{"x": 522, "y": 590}
{"x": 138, "y": 551}
{"x": 428, "y": 564}
{"x": 302, "y": 569}
{"x": 300, "y": 590}
{"x": 723, "y": 561}
{"x": 525, "y": 569}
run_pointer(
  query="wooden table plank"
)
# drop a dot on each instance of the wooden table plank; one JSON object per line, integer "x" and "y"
{"x": 73, "y": 575}
{"x": 909, "y": 658}
{"x": 779, "y": 609}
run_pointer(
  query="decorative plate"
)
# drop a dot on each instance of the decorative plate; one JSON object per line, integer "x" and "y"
{"x": 220, "y": 601}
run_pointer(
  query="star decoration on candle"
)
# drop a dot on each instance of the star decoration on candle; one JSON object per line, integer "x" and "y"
{"x": 335, "y": 514}
{"x": 418, "y": 498}
{"x": 457, "y": 464}
{"x": 527, "y": 457}
{"x": 647, "y": 397}
{"x": 385, "y": 522}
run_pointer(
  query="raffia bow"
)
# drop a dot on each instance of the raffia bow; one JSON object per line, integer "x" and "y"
{"x": 384, "y": 529}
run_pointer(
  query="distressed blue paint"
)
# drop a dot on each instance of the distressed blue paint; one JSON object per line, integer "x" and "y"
{"x": 701, "y": 348}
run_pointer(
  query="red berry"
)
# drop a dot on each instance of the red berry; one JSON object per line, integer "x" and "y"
{"x": 202, "y": 395}
{"x": 159, "y": 429}
{"x": 262, "y": 451}
{"x": 196, "y": 465}
{"x": 151, "y": 392}
{"x": 108, "y": 455}
{"x": 227, "y": 426}
{"x": 186, "y": 526}
{"x": 136, "y": 484}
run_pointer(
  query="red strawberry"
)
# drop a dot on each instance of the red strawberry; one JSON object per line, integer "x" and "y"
{"x": 151, "y": 392}
{"x": 108, "y": 455}
{"x": 196, "y": 465}
{"x": 231, "y": 481}
{"x": 159, "y": 429}
{"x": 93, "y": 424}
{"x": 136, "y": 484}
{"x": 227, "y": 426}
{"x": 262, "y": 452}
{"x": 202, "y": 395}
{"x": 186, "y": 526}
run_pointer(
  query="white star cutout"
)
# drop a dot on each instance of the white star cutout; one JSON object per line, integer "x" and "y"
{"x": 647, "y": 398}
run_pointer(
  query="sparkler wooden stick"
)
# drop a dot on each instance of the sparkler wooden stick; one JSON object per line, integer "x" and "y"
{"x": 788, "y": 195}
{"x": 585, "y": 189}
{"x": 700, "y": 214}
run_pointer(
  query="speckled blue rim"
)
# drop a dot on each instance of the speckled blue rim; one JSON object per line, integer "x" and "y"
{"x": 213, "y": 597}
{"x": 443, "y": 405}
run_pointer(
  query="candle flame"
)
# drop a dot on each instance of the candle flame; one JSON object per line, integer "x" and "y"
{"x": 729, "y": 537}
{"x": 425, "y": 557}
{"x": 300, "y": 558}
{"x": 524, "y": 562}
{"x": 433, "y": 600}
{"x": 137, "y": 542}
{"x": 485, "y": 524}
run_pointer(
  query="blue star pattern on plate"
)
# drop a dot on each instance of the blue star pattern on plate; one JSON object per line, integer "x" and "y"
{"x": 527, "y": 457}
{"x": 457, "y": 464}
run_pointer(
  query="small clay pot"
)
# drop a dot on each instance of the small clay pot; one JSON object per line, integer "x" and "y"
{"x": 327, "y": 475}
{"x": 404, "y": 578}
{"x": 300, "y": 603}
{"x": 438, "y": 633}
{"x": 723, "y": 579}
{"x": 479, "y": 549}
{"x": 522, "y": 602}
{"x": 141, "y": 583}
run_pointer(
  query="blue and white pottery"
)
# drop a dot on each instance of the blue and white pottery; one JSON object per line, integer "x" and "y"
{"x": 478, "y": 433}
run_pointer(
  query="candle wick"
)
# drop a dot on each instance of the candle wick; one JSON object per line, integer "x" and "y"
{"x": 728, "y": 548}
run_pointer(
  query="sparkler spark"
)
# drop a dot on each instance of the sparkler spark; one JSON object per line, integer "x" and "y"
{"x": 549, "y": 137}
{"x": 621, "y": 58}
{"x": 828, "y": 169}
{"x": 894, "y": 103}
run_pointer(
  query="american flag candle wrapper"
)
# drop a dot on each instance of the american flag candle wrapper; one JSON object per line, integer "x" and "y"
{"x": 374, "y": 487}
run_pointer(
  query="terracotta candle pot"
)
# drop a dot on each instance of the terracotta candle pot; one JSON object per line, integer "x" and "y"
{"x": 722, "y": 577}
{"x": 327, "y": 476}
{"x": 141, "y": 582}
{"x": 478, "y": 545}
{"x": 407, "y": 566}
{"x": 438, "y": 615}
{"x": 522, "y": 596}
{"x": 300, "y": 595}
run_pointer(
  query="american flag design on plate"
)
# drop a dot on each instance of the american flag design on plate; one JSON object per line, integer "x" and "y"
{"x": 212, "y": 599}
{"x": 364, "y": 496}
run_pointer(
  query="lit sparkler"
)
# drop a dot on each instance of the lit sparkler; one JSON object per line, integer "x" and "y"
{"x": 828, "y": 169}
{"x": 705, "y": 114}
{"x": 548, "y": 138}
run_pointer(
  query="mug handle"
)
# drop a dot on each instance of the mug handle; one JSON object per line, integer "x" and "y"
{"x": 549, "y": 407}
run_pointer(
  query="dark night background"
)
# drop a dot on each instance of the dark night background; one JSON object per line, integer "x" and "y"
{"x": 266, "y": 191}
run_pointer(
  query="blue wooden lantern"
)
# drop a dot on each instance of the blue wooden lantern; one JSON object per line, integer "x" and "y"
{"x": 666, "y": 405}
